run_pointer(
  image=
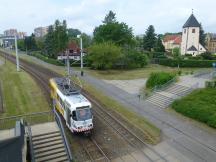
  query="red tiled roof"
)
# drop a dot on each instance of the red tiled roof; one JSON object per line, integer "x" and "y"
{"x": 175, "y": 37}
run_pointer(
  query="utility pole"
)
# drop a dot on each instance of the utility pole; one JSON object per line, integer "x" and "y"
{"x": 81, "y": 54}
{"x": 17, "y": 57}
{"x": 68, "y": 63}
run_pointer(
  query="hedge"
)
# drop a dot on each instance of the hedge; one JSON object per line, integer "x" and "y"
{"x": 46, "y": 59}
{"x": 185, "y": 63}
{"x": 159, "y": 78}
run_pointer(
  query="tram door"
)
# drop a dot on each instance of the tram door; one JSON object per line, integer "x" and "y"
{"x": 68, "y": 116}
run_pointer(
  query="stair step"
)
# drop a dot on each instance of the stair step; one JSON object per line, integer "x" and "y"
{"x": 52, "y": 152}
{"x": 45, "y": 149}
{"x": 46, "y": 137}
{"x": 44, "y": 134}
{"x": 46, "y": 145}
{"x": 52, "y": 157}
{"x": 47, "y": 140}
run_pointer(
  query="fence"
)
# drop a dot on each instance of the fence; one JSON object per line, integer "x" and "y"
{"x": 33, "y": 118}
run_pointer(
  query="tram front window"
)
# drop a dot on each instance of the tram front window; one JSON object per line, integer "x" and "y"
{"x": 83, "y": 114}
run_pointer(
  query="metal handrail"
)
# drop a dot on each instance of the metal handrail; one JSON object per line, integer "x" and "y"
{"x": 161, "y": 87}
{"x": 31, "y": 143}
{"x": 61, "y": 127}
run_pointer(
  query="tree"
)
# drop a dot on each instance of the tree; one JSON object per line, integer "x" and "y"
{"x": 104, "y": 55}
{"x": 159, "y": 47}
{"x": 21, "y": 44}
{"x": 177, "y": 55}
{"x": 134, "y": 59}
{"x": 87, "y": 40}
{"x": 118, "y": 33}
{"x": 30, "y": 43}
{"x": 202, "y": 36}
{"x": 56, "y": 39}
{"x": 49, "y": 42}
{"x": 149, "y": 38}
{"x": 72, "y": 33}
{"x": 110, "y": 18}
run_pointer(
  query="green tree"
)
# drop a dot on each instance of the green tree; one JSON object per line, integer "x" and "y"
{"x": 49, "y": 42}
{"x": 202, "y": 36}
{"x": 134, "y": 59}
{"x": 21, "y": 44}
{"x": 159, "y": 47}
{"x": 149, "y": 38}
{"x": 110, "y": 18}
{"x": 72, "y": 33}
{"x": 113, "y": 31}
{"x": 57, "y": 39}
{"x": 30, "y": 43}
{"x": 177, "y": 54}
{"x": 104, "y": 55}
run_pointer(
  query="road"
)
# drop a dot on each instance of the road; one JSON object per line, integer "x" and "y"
{"x": 192, "y": 143}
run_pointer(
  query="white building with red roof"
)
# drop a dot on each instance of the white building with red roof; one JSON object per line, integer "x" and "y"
{"x": 171, "y": 41}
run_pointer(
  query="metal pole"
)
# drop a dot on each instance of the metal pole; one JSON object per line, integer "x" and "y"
{"x": 81, "y": 55}
{"x": 17, "y": 57}
{"x": 68, "y": 63}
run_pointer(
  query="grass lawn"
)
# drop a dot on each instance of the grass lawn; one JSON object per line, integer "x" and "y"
{"x": 199, "y": 105}
{"x": 21, "y": 94}
{"x": 136, "y": 73}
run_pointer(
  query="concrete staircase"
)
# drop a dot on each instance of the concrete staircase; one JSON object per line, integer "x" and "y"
{"x": 165, "y": 97}
{"x": 178, "y": 90}
{"x": 49, "y": 147}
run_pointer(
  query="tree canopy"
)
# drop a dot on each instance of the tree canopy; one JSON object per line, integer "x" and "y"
{"x": 57, "y": 39}
{"x": 202, "y": 36}
{"x": 149, "y": 39}
{"x": 113, "y": 31}
{"x": 104, "y": 55}
{"x": 110, "y": 18}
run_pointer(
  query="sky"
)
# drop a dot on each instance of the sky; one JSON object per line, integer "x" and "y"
{"x": 165, "y": 15}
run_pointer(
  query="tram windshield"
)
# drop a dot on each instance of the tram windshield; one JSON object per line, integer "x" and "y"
{"x": 83, "y": 114}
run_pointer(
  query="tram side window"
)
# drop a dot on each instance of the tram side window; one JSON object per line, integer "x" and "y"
{"x": 74, "y": 115}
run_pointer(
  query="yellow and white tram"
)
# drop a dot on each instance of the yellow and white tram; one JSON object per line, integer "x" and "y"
{"x": 73, "y": 106}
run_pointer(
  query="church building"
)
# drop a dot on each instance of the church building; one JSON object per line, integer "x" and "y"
{"x": 190, "y": 37}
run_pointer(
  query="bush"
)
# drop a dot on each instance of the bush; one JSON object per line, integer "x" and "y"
{"x": 133, "y": 59}
{"x": 104, "y": 55}
{"x": 46, "y": 59}
{"x": 199, "y": 105}
{"x": 185, "y": 63}
{"x": 159, "y": 78}
{"x": 210, "y": 84}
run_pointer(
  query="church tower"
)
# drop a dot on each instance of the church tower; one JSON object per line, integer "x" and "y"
{"x": 190, "y": 37}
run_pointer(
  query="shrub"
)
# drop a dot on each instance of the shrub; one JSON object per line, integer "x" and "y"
{"x": 185, "y": 63}
{"x": 158, "y": 78}
{"x": 210, "y": 84}
{"x": 134, "y": 59}
{"x": 104, "y": 55}
{"x": 46, "y": 59}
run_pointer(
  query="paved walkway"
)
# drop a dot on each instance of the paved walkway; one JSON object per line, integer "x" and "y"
{"x": 195, "y": 143}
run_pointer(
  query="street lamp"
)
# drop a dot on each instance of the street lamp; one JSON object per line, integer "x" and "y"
{"x": 17, "y": 57}
{"x": 81, "y": 54}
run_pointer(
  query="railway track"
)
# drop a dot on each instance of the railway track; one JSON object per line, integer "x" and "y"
{"x": 94, "y": 151}
{"x": 130, "y": 137}
{"x": 91, "y": 147}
